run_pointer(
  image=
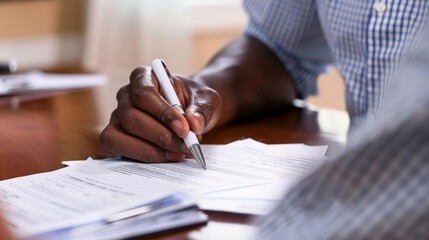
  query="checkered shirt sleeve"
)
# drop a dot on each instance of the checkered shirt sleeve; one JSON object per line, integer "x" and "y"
{"x": 291, "y": 29}
{"x": 364, "y": 39}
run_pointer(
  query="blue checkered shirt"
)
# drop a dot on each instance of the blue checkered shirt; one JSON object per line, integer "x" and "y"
{"x": 363, "y": 38}
{"x": 378, "y": 188}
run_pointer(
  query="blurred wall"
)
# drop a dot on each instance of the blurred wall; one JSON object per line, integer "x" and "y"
{"x": 42, "y": 33}
{"x": 24, "y": 18}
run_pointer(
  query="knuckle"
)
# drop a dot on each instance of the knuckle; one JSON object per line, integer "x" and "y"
{"x": 142, "y": 94}
{"x": 138, "y": 72}
{"x": 128, "y": 119}
{"x": 107, "y": 138}
{"x": 144, "y": 98}
{"x": 215, "y": 97}
{"x": 122, "y": 92}
{"x": 165, "y": 115}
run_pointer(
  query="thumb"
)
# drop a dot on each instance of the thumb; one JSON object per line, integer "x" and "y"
{"x": 202, "y": 117}
{"x": 204, "y": 110}
{"x": 196, "y": 119}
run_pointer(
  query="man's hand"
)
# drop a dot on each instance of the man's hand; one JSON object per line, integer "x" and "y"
{"x": 146, "y": 127}
{"x": 246, "y": 75}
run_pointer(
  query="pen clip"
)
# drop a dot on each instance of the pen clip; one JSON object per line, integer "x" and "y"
{"x": 170, "y": 77}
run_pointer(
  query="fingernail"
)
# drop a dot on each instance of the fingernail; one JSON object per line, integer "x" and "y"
{"x": 178, "y": 128}
{"x": 199, "y": 122}
{"x": 173, "y": 156}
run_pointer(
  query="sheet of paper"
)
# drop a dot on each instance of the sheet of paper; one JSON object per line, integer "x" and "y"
{"x": 258, "y": 199}
{"x": 227, "y": 167}
{"x": 297, "y": 148}
{"x": 255, "y": 199}
{"x": 272, "y": 191}
{"x": 224, "y": 231}
{"x": 70, "y": 197}
{"x": 242, "y": 206}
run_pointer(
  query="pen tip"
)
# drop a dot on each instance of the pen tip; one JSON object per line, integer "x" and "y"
{"x": 198, "y": 155}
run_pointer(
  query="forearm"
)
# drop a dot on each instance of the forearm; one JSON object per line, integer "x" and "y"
{"x": 249, "y": 78}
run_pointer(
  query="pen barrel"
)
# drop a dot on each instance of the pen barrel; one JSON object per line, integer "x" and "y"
{"x": 164, "y": 81}
{"x": 190, "y": 139}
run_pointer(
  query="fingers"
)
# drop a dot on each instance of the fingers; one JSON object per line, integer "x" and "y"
{"x": 145, "y": 96}
{"x": 144, "y": 126}
{"x": 116, "y": 140}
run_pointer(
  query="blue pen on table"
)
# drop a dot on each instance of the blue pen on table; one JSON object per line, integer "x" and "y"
{"x": 166, "y": 82}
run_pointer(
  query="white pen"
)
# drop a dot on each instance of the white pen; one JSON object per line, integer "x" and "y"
{"x": 166, "y": 81}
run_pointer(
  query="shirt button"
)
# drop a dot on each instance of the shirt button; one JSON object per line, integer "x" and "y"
{"x": 380, "y": 7}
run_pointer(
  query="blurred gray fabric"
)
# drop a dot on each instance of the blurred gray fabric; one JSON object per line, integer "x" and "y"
{"x": 378, "y": 188}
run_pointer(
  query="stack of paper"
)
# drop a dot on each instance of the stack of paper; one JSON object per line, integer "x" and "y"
{"x": 244, "y": 176}
{"x": 260, "y": 198}
{"x": 78, "y": 202}
{"x": 93, "y": 199}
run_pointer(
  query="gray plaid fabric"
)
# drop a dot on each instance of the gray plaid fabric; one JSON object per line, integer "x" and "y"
{"x": 365, "y": 44}
{"x": 378, "y": 188}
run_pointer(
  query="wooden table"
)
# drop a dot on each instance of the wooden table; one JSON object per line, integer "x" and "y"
{"x": 38, "y": 131}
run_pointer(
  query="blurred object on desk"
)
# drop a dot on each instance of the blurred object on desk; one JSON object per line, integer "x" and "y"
{"x": 38, "y": 81}
{"x": 8, "y": 66}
